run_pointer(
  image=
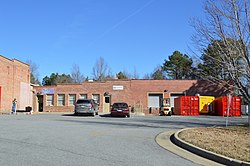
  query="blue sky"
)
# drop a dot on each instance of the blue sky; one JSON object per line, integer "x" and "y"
{"x": 128, "y": 34}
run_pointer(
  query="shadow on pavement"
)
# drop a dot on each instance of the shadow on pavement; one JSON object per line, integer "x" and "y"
{"x": 109, "y": 116}
{"x": 78, "y": 115}
{"x": 90, "y": 115}
{"x": 151, "y": 122}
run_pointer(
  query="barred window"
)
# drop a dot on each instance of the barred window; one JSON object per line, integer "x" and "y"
{"x": 61, "y": 100}
{"x": 72, "y": 99}
{"x": 50, "y": 100}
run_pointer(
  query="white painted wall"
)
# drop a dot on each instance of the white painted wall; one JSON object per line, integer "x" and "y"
{"x": 25, "y": 96}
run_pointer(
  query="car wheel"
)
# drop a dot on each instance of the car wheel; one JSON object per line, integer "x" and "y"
{"x": 128, "y": 115}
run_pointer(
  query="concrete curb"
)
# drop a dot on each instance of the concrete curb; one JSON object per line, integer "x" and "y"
{"x": 204, "y": 153}
{"x": 164, "y": 141}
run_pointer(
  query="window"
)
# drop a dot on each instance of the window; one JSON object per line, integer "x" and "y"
{"x": 107, "y": 100}
{"x": 83, "y": 96}
{"x": 50, "y": 100}
{"x": 96, "y": 97}
{"x": 72, "y": 99}
{"x": 61, "y": 100}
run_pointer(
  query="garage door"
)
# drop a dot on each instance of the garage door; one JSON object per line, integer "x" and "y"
{"x": 154, "y": 100}
{"x": 173, "y": 96}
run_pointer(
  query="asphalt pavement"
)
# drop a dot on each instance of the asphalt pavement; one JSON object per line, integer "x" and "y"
{"x": 65, "y": 139}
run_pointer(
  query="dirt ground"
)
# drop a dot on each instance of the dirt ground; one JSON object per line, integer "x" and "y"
{"x": 233, "y": 142}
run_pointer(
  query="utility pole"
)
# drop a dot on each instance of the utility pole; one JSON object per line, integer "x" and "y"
{"x": 229, "y": 98}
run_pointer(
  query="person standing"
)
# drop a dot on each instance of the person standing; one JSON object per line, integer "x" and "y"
{"x": 14, "y": 104}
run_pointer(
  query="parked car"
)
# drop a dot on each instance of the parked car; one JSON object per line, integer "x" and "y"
{"x": 86, "y": 106}
{"x": 120, "y": 109}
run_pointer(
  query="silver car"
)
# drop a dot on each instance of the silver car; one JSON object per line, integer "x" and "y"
{"x": 86, "y": 106}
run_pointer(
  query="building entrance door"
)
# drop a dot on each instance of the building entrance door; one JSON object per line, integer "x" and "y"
{"x": 106, "y": 104}
{"x": 40, "y": 103}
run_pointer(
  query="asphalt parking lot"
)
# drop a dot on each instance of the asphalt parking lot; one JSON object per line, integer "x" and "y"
{"x": 65, "y": 139}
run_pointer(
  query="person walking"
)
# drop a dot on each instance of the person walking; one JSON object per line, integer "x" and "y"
{"x": 14, "y": 103}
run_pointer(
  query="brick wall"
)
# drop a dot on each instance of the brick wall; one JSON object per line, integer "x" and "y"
{"x": 130, "y": 91}
{"x": 12, "y": 74}
{"x": 88, "y": 88}
{"x": 141, "y": 89}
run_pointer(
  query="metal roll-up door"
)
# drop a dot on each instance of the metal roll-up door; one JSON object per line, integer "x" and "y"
{"x": 154, "y": 100}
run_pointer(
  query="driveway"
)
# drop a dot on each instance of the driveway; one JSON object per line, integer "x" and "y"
{"x": 55, "y": 139}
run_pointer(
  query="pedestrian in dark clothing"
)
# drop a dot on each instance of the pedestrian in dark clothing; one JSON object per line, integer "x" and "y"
{"x": 14, "y": 103}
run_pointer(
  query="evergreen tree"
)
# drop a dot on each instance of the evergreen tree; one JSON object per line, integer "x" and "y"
{"x": 121, "y": 75}
{"x": 179, "y": 66}
{"x": 56, "y": 78}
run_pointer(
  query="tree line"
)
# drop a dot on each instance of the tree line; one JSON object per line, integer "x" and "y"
{"x": 221, "y": 39}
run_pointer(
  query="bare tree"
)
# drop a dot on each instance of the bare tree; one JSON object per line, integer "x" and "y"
{"x": 135, "y": 74}
{"x": 228, "y": 22}
{"x": 101, "y": 70}
{"x": 76, "y": 75}
{"x": 158, "y": 73}
{"x": 147, "y": 76}
{"x": 33, "y": 72}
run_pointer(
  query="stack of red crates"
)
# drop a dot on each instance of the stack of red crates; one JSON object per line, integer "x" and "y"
{"x": 221, "y": 106}
{"x": 186, "y": 106}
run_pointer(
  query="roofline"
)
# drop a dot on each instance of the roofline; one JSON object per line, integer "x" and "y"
{"x": 5, "y": 57}
{"x": 14, "y": 60}
{"x": 20, "y": 61}
{"x": 66, "y": 84}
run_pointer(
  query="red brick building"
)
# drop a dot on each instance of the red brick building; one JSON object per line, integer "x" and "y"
{"x": 139, "y": 94}
{"x": 14, "y": 83}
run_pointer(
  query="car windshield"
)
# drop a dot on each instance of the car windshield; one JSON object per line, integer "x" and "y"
{"x": 83, "y": 102}
{"x": 120, "y": 105}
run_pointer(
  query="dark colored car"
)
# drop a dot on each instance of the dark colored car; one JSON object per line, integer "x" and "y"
{"x": 120, "y": 109}
{"x": 86, "y": 106}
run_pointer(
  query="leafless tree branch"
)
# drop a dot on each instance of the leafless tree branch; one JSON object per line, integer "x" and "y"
{"x": 227, "y": 21}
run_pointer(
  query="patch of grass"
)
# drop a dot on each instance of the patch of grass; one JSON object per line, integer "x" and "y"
{"x": 233, "y": 141}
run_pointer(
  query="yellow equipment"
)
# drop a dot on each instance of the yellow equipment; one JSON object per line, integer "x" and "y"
{"x": 165, "y": 108}
{"x": 206, "y": 104}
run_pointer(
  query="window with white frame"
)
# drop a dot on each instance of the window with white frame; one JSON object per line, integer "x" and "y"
{"x": 72, "y": 99}
{"x": 96, "y": 97}
{"x": 61, "y": 100}
{"x": 50, "y": 100}
{"x": 83, "y": 96}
